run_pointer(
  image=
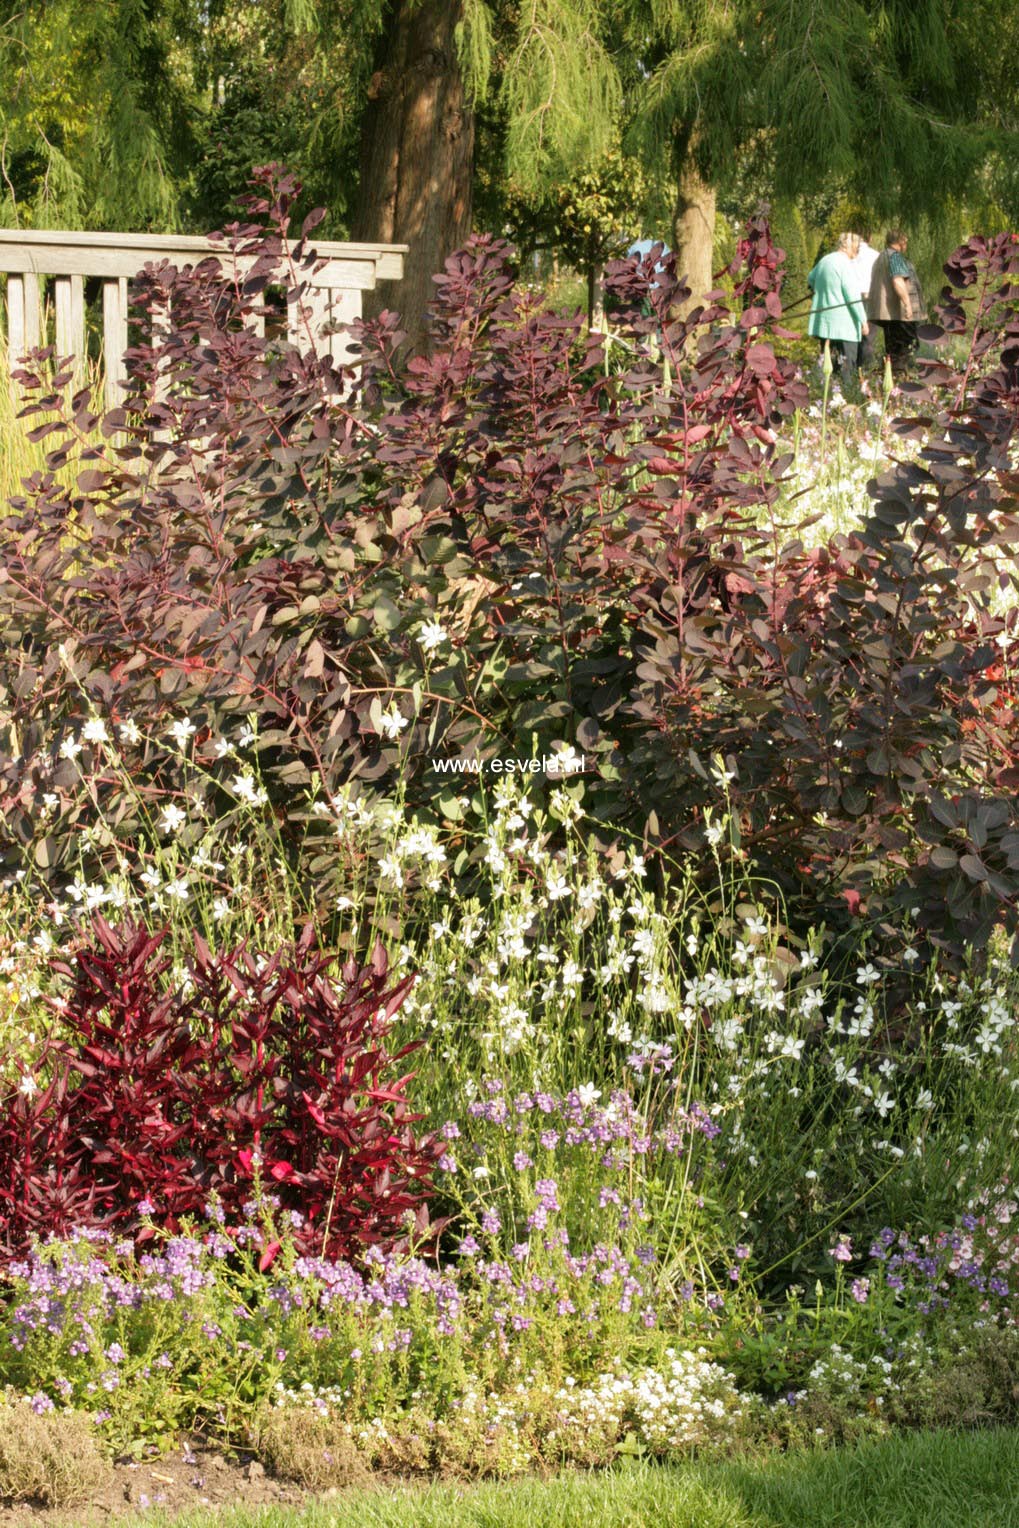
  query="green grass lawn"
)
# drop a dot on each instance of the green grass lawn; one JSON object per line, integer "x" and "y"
{"x": 929, "y": 1480}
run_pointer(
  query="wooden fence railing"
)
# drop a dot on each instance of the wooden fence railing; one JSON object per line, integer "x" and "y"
{"x": 50, "y": 273}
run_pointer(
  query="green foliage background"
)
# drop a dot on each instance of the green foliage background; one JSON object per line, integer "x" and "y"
{"x": 149, "y": 114}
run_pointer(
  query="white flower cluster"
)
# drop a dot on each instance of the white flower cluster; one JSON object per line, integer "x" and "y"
{"x": 827, "y": 483}
{"x": 688, "y": 1402}
{"x": 522, "y": 962}
{"x": 323, "y": 1400}
{"x": 840, "y": 1375}
{"x": 417, "y": 846}
{"x": 504, "y": 1417}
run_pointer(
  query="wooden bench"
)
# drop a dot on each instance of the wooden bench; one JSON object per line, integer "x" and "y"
{"x": 32, "y": 259}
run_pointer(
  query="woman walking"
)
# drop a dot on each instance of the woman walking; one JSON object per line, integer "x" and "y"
{"x": 896, "y": 302}
{"x": 837, "y": 316}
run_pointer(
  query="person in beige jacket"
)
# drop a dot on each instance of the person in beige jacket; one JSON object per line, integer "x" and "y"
{"x": 895, "y": 302}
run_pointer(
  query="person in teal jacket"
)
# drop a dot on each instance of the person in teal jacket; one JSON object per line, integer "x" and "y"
{"x": 837, "y": 314}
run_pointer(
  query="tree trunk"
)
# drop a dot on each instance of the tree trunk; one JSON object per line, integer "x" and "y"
{"x": 417, "y": 156}
{"x": 693, "y": 229}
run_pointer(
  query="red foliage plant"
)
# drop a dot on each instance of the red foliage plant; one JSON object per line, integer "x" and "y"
{"x": 262, "y": 1072}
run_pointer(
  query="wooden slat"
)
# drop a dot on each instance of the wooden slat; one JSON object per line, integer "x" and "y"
{"x": 22, "y": 316}
{"x": 33, "y": 311}
{"x": 163, "y": 242}
{"x": 301, "y": 313}
{"x": 256, "y": 320}
{"x": 16, "y": 346}
{"x": 361, "y": 274}
{"x": 70, "y": 304}
{"x": 331, "y": 293}
{"x": 389, "y": 265}
{"x": 77, "y": 260}
{"x": 160, "y": 317}
{"x": 114, "y": 338}
{"x": 343, "y": 307}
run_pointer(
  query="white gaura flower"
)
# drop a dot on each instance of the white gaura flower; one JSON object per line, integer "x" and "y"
{"x": 177, "y": 890}
{"x": 859, "y": 1027}
{"x": 714, "y": 832}
{"x": 220, "y": 909}
{"x": 494, "y": 857}
{"x": 391, "y": 870}
{"x": 182, "y": 729}
{"x": 432, "y": 636}
{"x": 245, "y": 789}
{"x": 557, "y": 886}
{"x": 654, "y": 998}
{"x": 810, "y": 1001}
{"x": 173, "y": 818}
{"x": 130, "y": 732}
{"x": 94, "y": 730}
{"x": 564, "y": 806}
{"x": 70, "y": 748}
{"x": 986, "y": 1039}
{"x": 393, "y": 722}
{"x": 571, "y": 976}
{"x": 567, "y": 761}
{"x": 722, "y": 776}
{"x": 505, "y": 795}
{"x": 28, "y": 1087}
{"x": 202, "y": 860}
{"x": 884, "y": 1103}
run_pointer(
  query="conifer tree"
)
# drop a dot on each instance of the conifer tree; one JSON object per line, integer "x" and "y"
{"x": 903, "y": 103}
{"x": 105, "y": 107}
{"x": 417, "y": 149}
{"x": 95, "y": 112}
{"x": 887, "y": 98}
